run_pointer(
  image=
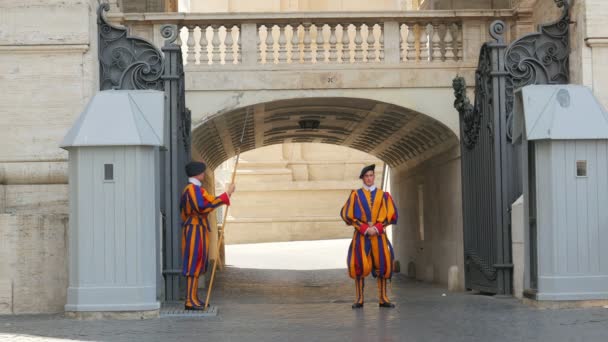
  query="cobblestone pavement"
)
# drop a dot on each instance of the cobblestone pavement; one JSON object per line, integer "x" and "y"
{"x": 300, "y": 305}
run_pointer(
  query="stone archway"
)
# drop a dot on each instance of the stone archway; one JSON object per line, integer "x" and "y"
{"x": 397, "y": 135}
{"x": 415, "y": 145}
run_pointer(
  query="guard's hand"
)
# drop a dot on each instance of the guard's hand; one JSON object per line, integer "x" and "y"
{"x": 231, "y": 188}
{"x": 371, "y": 231}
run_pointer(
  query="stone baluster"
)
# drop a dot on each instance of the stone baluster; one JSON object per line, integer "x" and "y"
{"x": 282, "y": 45}
{"x": 402, "y": 43}
{"x": 319, "y": 44}
{"x": 333, "y": 42}
{"x": 216, "y": 56}
{"x": 358, "y": 44}
{"x": 457, "y": 35}
{"x": 411, "y": 42}
{"x": 381, "y": 48}
{"x": 295, "y": 44}
{"x": 449, "y": 44}
{"x": 261, "y": 54}
{"x": 191, "y": 54}
{"x": 179, "y": 43}
{"x": 435, "y": 43}
{"x": 307, "y": 42}
{"x": 229, "y": 43}
{"x": 371, "y": 44}
{"x": 269, "y": 45}
{"x": 237, "y": 47}
{"x": 178, "y": 40}
{"x": 345, "y": 44}
{"x": 424, "y": 42}
{"x": 204, "y": 43}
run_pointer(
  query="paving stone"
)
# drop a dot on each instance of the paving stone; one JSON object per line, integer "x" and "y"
{"x": 177, "y": 310}
{"x": 279, "y": 305}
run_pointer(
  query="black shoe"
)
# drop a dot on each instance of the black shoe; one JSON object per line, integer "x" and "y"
{"x": 357, "y": 306}
{"x": 194, "y": 308}
{"x": 386, "y": 305}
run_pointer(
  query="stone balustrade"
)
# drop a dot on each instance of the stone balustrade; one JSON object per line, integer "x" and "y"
{"x": 324, "y": 38}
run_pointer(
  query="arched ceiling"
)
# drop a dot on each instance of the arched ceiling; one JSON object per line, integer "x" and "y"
{"x": 394, "y": 134}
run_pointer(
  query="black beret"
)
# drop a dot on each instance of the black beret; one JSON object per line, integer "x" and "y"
{"x": 195, "y": 168}
{"x": 367, "y": 168}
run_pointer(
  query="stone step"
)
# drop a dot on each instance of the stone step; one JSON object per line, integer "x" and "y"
{"x": 263, "y": 175}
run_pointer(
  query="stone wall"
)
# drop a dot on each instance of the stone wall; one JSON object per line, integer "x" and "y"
{"x": 217, "y": 6}
{"x": 591, "y": 18}
{"x": 49, "y": 71}
{"x": 463, "y": 4}
{"x": 33, "y": 263}
{"x": 429, "y": 233}
{"x": 128, "y": 6}
{"x": 293, "y": 192}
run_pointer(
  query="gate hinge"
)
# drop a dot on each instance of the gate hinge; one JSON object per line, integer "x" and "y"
{"x": 502, "y": 265}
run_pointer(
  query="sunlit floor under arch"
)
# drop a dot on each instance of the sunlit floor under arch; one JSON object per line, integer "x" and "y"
{"x": 293, "y": 255}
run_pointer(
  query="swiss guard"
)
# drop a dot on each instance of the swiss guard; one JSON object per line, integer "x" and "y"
{"x": 195, "y": 205}
{"x": 370, "y": 210}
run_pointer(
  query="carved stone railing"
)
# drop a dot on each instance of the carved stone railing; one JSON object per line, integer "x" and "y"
{"x": 323, "y": 38}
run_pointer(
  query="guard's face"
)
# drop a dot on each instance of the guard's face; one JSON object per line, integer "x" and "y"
{"x": 369, "y": 177}
{"x": 201, "y": 177}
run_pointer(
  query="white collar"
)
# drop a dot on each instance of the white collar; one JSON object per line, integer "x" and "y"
{"x": 369, "y": 188}
{"x": 194, "y": 181}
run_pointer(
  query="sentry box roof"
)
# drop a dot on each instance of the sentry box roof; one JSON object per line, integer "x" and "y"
{"x": 119, "y": 118}
{"x": 558, "y": 112}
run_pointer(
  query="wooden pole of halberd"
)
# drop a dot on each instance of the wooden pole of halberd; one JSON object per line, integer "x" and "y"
{"x": 221, "y": 237}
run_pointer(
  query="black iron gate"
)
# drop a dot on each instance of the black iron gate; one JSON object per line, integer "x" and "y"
{"x": 173, "y": 162}
{"x": 128, "y": 62}
{"x": 486, "y": 246}
{"x": 491, "y": 172}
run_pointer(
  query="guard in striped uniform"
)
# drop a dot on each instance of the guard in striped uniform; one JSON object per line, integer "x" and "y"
{"x": 195, "y": 205}
{"x": 370, "y": 210}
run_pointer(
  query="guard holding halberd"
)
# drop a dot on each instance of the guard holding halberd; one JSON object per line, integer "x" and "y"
{"x": 196, "y": 205}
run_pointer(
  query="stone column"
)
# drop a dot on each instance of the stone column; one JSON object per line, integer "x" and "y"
{"x": 249, "y": 47}
{"x": 391, "y": 42}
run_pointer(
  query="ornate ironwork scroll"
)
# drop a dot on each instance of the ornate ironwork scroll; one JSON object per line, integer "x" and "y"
{"x": 539, "y": 58}
{"x": 126, "y": 62}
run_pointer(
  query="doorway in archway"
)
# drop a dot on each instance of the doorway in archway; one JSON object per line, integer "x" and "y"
{"x": 284, "y": 230}
{"x": 422, "y": 152}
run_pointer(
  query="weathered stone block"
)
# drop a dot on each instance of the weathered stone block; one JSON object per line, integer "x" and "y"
{"x": 33, "y": 258}
{"x": 6, "y": 297}
{"x": 37, "y": 199}
{"x": 70, "y": 24}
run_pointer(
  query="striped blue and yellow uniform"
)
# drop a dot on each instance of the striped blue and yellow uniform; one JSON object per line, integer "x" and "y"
{"x": 370, "y": 254}
{"x": 367, "y": 254}
{"x": 196, "y": 204}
